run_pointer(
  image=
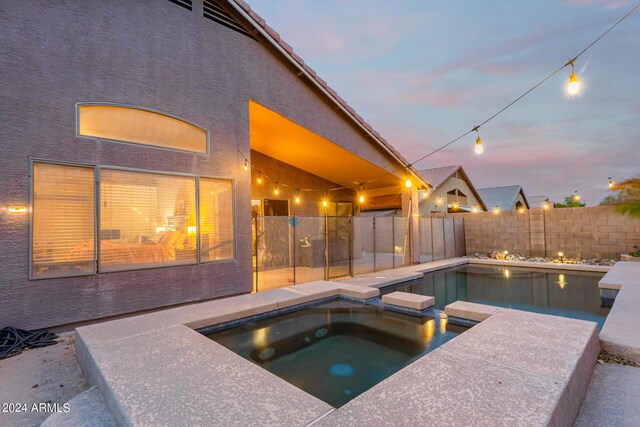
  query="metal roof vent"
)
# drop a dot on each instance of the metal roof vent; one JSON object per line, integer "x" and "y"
{"x": 214, "y": 10}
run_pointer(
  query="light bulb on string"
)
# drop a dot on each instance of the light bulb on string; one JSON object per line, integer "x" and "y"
{"x": 361, "y": 198}
{"x": 576, "y": 196}
{"x": 298, "y": 199}
{"x": 574, "y": 86}
{"x": 408, "y": 183}
{"x": 612, "y": 184}
{"x": 546, "y": 205}
{"x": 325, "y": 203}
{"x": 479, "y": 149}
{"x": 259, "y": 178}
{"x": 246, "y": 165}
{"x": 276, "y": 190}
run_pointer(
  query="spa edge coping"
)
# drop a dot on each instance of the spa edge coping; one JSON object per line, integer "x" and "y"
{"x": 130, "y": 346}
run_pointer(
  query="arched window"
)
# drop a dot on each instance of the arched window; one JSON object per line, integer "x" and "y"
{"x": 140, "y": 126}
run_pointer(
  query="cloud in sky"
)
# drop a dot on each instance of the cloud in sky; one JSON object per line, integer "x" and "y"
{"x": 423, "y": 73}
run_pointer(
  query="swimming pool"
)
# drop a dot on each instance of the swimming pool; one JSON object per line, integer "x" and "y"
{"x": 558, "y": 292}
{"x": 338, "y": 349}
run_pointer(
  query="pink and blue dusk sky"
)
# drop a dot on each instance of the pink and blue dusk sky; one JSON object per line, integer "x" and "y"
{"x": 423, "y": 72}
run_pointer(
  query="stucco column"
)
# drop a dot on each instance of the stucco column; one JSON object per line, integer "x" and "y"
{"x": 411, "y": 210}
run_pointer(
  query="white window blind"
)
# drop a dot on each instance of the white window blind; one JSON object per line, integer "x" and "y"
{"x": 216, "y": 219}
{"x": 146, "y": 220}
{"x": 63, "y": 221}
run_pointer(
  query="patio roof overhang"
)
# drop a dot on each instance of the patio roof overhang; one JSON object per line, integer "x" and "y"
{"x": 279, "y": 137}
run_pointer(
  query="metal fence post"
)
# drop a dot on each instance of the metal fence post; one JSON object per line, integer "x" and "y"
{"x": 326, "y": 247}
{"x": 393, "y": 242}
{"x": 257, "y": 254}
{"x": 374, "y": 243}
{"x": 293, "y": 225}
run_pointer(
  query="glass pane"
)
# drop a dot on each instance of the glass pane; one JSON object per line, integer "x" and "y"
{"x": 146, "y": 220}
{"x": 384, "y": 242}
{"x": 63, "y": 220}
{"x": 363, "y": 254}
{"x": 274, "y": 247}
{"x": 139, "y": 126}
{"x": 309, "y": 248}
{"x": 216, "y": 219}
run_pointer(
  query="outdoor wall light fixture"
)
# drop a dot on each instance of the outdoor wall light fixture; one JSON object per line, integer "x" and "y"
{"x": 521, "y": 210}
{"x": 16, "y": 209}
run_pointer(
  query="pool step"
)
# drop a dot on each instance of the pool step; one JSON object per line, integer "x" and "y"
{"x": 514, "y": 368}
{"x": 406, "y": 302}
{"x": 471, "y": 311}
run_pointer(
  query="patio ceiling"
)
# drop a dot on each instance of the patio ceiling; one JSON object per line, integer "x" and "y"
{"x": 276, "y": 136}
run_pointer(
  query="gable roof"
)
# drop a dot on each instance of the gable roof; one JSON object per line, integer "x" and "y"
{"x": 503, "y": 197}
{"x": 437, "y": 176}
{"x": 273, "y": 37}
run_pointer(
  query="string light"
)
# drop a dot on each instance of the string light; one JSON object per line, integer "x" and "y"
{"x": 276, "y": 190}
{"x": 408, "y": 183}
{"x": 474, "y": 209}
{"x": 521, "y": 210}
{"x": 576, "y": 196}
{"x": 574, "y": 86}
{"x": 496, "y": 210}
{"x": 454, "y": 206}
{"x": 246, "y": 165}
{"x": 361, "y": 198}
{"x": 479, "y": 148}
{"x": 259, "y": 178}
{"x": 612, "y": 184}
{"x": 325, "y": 203}
{"x": 298, "y": 196}
{"x": 546, "y": 205}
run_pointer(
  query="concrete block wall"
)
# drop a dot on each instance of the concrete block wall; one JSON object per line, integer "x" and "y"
{"x": 590, "y": 232}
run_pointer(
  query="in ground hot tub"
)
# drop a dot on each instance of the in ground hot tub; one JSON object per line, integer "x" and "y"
{"x": 338, "y": 349}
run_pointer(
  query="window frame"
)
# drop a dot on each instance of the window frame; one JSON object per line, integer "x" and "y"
{"x": 96, "y": 231}
{"x": 140, "y": 144}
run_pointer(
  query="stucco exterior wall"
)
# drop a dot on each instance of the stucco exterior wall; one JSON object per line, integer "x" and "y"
{"x": 592, "y": 232}
{"x": 311, "y": 201}
{"x": 429, "y": 205}
{"x": 153, "y": 54}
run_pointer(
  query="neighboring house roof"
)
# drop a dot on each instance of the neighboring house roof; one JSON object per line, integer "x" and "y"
{"x": 274, "y": 38}
{"x": 437, "y": 176}
{"x": 502, "y": 197}
{"x": 537, "y": 201}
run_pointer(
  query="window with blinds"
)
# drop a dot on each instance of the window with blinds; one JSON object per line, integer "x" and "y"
{"x": 63, "y": 224}
{"x": 216, "y": 220}
{"x": 146, "y": 220}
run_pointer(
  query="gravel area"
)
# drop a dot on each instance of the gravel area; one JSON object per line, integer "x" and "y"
{"x": 500, "y": 255}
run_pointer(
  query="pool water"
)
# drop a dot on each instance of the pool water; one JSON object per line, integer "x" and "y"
{"x": 557, "y": 292}
{"x": 339, "y": 349}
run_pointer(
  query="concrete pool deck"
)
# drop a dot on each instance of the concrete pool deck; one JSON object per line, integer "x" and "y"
{"x": 157, "y": 367}
{"x": 620, "y": 334}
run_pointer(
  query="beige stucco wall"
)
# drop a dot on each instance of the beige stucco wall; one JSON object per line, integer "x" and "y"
{"x": 593, "y": 232}
{"x": 429, "y": 205}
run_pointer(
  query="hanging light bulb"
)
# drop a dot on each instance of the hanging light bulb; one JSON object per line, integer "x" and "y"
{"x": 297, "y": 200}
{"x": 454, "y": 206}
{"x": 361, "y": 198}
{"x": 576, "y": 196}
{"x": 474, "y": 209}
{"x": 612, "y": 184}
{"x": 546, "y": 205}
{"x": 246, "y": 165}
{"x": 496, "y": 210}
{"x": 408, "y": 183}
{"x": 259, "y": 178}
{"x": 521, "y": 210}
{"x": 574, "y": 86}
{"x": 276, "y": 190}
{"x": 479, "y": 147}
{"x": 325, "y": 203}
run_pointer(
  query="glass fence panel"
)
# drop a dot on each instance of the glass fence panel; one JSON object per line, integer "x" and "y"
{"x": 274, "y": 260}
{"x": 426, "y": 242}
{"x": 362, "y": 245}
{"x": 338, "y": 245}
{"x": 401, "y": 242}
{"x": 383, "y": 235}
{"x": 310, "y": 248}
